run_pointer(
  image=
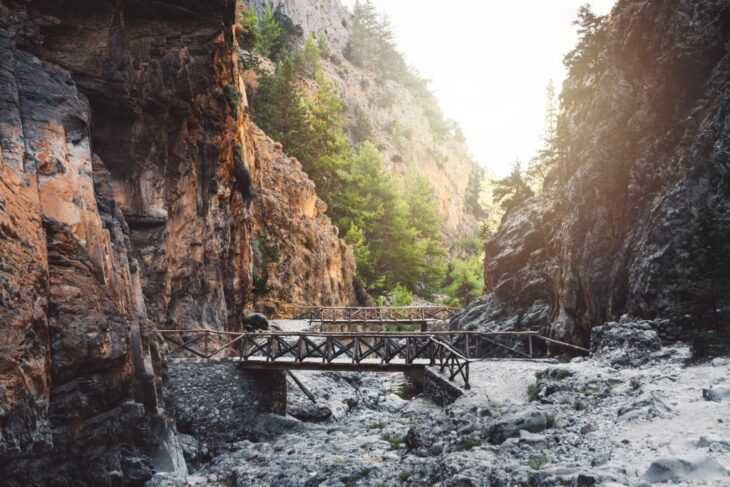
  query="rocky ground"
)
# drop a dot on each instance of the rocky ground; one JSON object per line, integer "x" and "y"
{"x": 632, "y": 414}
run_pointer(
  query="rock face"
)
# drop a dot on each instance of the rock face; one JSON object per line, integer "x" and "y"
{"x": 299, "y": 260}
{"x": 127, "y": 171}
{"x": 641, "y": 191}
{"x": 400, "y": 126}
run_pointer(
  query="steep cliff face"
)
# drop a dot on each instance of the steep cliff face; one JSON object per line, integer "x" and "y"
{"x": 634, "y": 218}
{"x": 398, "y": 124}
{"x": 299, "y": 260}
{"x": 127, "y": 172}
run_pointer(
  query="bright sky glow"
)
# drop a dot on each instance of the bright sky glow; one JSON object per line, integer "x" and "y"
{"x": 489, "y": 62}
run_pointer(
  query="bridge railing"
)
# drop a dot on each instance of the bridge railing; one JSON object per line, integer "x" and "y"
{"x": 379, "y": 314}
{"x": 450, "y": 350}
{"x": 353, "y": 348}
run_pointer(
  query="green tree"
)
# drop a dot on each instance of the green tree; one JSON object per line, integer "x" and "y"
{"x": 271, "y": 38}
{"x": 401, "y": 296}
{"x": 248, "y": 21}
{"x": 373, "y": 204}
{"x": 324, "y": 46}
{"x": 290, "y": 123}
{"x": 308, "y": 57}
{"x": 548, "y": 156}
{"x": 428, "y": 248}
{"x": 586, "y": 57}
{"x": 356, "y": 238}
{"x": 362, "y": 46}
{"x": 362, "y": 129}
{"x": 512, "y": 190}
{"x": 328, "y": 155}
{"x": 465, "y": 280}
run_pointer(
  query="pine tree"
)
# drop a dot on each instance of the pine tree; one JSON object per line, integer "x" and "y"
{"x": 586, "y": 56}
{"x": 549, "y": 154}
{"x": 430, "y": 251}
{"x": 329, "y": 155}
{"x": 271, "y": 38}
{"x": 292, "y": 121}
{"x": 362, "y": 47}
{"x": 512, "y": 190}
{"x": 324, "y": 46}
{"x": 249, "y": 24}
{"x": 308, "y": 57}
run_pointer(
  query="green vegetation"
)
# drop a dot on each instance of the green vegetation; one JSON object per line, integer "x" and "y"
{"x": 401, "y": 296}
{"x": 550, "y": 420}
{"x": 404, "y": 475}
{"x": 512, "y": 190}
{"x": 308, "y": 57}
{"x": 536, "y": 463}
{"x": 395, "y": 440}
{"x": 376, "y": 426}
{"x": 393, "y": 228}
{"x": 532, "y": 392}
{"x": 271, "y": 41}
{"x": 352, "y": 480}
{"x": 232, "y": 96}
{"x": 467, "y": 443}
{"x": 585, "y": 58}
{"x": 249, "y": 25}
{"x": 699, "y": 277}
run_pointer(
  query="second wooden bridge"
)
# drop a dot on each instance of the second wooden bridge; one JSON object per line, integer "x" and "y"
{"x": 380, "y": 314}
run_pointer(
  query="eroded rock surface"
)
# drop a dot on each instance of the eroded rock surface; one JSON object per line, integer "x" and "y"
{"x": 126, "y": 181}
{"x": 298, "y": 255}
{"x": 645, "y": 163}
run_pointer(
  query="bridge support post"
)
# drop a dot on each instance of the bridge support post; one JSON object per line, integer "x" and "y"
{"x": 272, "y": 384}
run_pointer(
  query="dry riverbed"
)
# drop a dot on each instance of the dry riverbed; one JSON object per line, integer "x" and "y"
{"x": 633, "y": 414}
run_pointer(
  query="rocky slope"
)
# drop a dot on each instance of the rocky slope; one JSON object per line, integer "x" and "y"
{"x": 298, "y": 256}
{"x": 400, "y": 127}
{"x": 634, "y": 218}
{"x": 127, "y": 174}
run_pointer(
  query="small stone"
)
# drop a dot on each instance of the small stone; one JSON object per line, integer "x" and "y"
{"x": 717, "y": 394}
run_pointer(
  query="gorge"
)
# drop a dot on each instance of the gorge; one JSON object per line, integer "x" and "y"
{"x": 137, "y": 194}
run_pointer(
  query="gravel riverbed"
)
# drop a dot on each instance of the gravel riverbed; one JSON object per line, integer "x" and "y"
{"x": 631, "y": 414}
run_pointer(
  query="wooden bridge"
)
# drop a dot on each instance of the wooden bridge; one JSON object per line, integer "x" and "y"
{"x": 381, "y": 314}
{"x": 450, "y": 351}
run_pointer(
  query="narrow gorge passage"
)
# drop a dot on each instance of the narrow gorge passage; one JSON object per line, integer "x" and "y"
{"x": 364, "y": 242}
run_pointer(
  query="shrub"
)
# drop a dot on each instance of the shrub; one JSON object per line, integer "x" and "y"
{"x": 404, "y": 475}
{"x": 536, "y": 463}
{"x": 395, "y": 440}
{"x": 401, "y": 296}
{"x": 467, "y": 443}
{"x": 550, "y": 420}
{"x": 532, "y": 392}
{"x": 231, "y": 96}
{"x": 352, "y": 480}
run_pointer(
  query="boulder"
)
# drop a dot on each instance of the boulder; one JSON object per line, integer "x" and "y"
{"x": 625, "y": 344}
{"x": 256, "y": 322}
{"x": 717, "y": 394}
{"x": 510, "y": 425}
{"x": 685, "y": 469}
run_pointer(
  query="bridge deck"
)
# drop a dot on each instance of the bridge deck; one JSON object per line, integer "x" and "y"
{"x": 345, "y": 364}
{"x": 450, "y": 351}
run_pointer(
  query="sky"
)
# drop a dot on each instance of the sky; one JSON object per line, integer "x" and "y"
{"x": 489, "y": 63}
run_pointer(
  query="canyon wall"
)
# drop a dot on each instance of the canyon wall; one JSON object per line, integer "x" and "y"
{"x": 634, "y": 218}
{"x": 299, "y": 259}
{"x": 398, "y": 122}
{"x": 128, "y": 172}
